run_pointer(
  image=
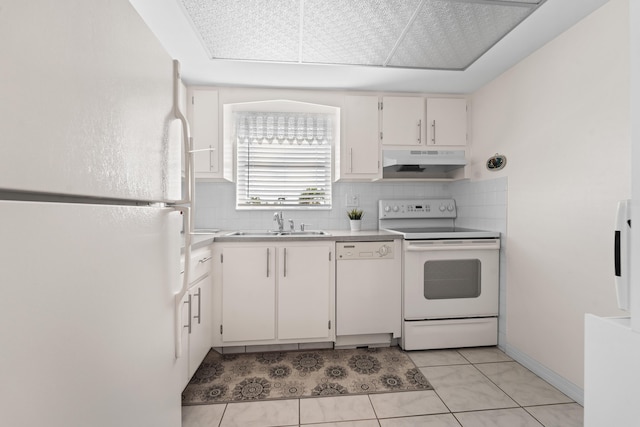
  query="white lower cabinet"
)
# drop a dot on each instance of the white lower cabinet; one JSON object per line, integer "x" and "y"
{"x": 248, "y": 304}
{"x": 273, "y": 293}
{"x": 201, "y": 338}
{"x": 197, "y": 319}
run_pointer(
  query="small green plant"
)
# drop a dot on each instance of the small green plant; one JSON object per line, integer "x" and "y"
{"x": 355, "y": 213}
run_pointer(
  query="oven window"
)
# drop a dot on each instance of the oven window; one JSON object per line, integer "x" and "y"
{"x": 450, "y": 279}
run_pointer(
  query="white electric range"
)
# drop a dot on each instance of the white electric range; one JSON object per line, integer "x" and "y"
{"x": 450, "y": 275}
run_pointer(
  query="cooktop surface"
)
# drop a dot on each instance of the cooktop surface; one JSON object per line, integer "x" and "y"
{"x": 444, "y": 233}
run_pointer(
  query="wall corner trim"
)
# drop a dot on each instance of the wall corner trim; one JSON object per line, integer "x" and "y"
{"x": 567, "y": 387}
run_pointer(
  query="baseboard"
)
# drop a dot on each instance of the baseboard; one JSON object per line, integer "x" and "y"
{"x": 567, "y": 387}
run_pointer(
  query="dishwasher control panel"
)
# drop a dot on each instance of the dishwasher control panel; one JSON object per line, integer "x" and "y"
{"x": 364, "y": 250}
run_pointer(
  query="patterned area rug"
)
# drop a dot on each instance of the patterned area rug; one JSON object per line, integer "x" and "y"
{"x": 297, "y": 374}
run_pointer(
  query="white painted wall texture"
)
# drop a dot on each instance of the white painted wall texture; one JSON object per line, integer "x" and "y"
{"x": 561, "y": 116}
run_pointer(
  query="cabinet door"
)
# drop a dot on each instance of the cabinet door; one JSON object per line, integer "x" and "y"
{"x": 201, "y": 338}
{"x": 402, "y": 120}
{"x": 183, "y": 361}
{"x": 248, "y": 293}
{"x": 361, "y": 154}
{"x": 204, "y": 131}
{"x": 447, "y": 121}
{"x": 305, "y": 281}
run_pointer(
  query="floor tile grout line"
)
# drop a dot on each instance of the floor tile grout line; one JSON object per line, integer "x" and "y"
{"x": 504, "y": 391}
{"x": 499, "y": 388}
{"x": 534, "y": 417}
{"x": 224, "y": 411}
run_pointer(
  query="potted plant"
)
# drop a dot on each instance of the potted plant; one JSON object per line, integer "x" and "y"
{"x": 355, "y": 217}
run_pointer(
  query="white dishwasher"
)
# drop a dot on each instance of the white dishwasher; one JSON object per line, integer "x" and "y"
{"x": 368, "y": 292}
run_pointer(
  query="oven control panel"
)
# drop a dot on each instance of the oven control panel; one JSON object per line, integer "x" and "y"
{"x": 412, "y": 208}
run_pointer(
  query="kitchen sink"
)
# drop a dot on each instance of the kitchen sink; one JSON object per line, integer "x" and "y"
{"x": 303, "y": 233}
{"x": 277, "y": 233}
{"x": 253, "y": 233}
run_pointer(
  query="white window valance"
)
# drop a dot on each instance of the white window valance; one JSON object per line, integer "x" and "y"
{"x": 268, "y": 127}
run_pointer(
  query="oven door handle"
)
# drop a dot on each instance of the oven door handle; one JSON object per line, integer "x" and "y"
{"x": 453, "y": 246}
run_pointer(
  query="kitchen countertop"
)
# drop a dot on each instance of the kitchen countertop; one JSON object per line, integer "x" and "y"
{"x": 202, "y": 240}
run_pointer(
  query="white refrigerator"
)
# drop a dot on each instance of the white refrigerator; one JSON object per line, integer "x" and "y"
{"x": 91, "y": 205}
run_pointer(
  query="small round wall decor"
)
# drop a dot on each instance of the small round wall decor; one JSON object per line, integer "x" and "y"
{"x": 497, "y": 162}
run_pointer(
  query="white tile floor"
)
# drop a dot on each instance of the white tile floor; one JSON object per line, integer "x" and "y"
{"x": 473, "y": 387}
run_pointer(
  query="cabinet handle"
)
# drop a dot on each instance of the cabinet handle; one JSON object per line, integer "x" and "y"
{"x": 419, "y": 131}
{"x": 350, "y": 159}
{"x": 210, "y": 158}
{"x": 203, "y": 260}
{"x": 433, "y": 132}
{"x": 188, "y": 325}
{"x": 285, "y": 262}
{"x": 268, "y": 256}
{"x": 199, "y": 306}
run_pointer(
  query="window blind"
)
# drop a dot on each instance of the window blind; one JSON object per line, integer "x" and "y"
{"x": 283, "y": 160}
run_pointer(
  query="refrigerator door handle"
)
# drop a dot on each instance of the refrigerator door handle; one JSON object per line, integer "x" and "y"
{"x": 186, "y": 137}
{"x": 183, "y": 205}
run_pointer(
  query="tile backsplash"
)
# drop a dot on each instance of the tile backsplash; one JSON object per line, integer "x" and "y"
{"x": 481, "y": 204}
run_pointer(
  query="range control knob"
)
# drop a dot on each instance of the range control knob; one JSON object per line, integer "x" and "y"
{"x": 396, "y": 208}
{"x": 384, "y": 250}
{"x": 387, "y": 208}
{"x": 442, "y": 208}
{"x": 450, "y": 208}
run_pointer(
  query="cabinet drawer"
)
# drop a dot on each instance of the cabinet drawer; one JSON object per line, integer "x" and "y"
{"x": 201, "y": 262}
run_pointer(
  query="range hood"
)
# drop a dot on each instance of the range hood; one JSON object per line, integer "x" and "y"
{"x": 422, "y": 164}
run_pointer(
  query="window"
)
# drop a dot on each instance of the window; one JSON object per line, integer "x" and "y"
{"x": 283, "y": 158}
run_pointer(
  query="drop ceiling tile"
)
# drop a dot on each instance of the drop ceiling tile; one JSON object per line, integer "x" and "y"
{"x": 452, "y": 35}
{"x": 428, "y": 34}
{"x": 260, "y": 30}
{"x": 353, "y": 32}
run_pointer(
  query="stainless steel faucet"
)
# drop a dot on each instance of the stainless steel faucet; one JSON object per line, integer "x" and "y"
{"x": 291, "y": 226}
{"x": 278, "y": 218}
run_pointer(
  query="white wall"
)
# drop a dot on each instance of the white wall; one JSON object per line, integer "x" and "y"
{"x": 561, "y": 116}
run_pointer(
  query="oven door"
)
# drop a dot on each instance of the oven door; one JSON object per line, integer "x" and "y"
{"x": 446, "y": 279}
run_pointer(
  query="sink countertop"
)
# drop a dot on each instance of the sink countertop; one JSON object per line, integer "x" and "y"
{"x": 201, "y": 240}
{"x": 336, "y": 235}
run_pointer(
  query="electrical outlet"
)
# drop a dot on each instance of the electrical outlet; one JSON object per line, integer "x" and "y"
{"x": 353, "y": 200}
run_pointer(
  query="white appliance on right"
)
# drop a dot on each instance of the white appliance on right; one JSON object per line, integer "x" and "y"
{"x": 612, "y": 347}
{"x": 450, "y": 275}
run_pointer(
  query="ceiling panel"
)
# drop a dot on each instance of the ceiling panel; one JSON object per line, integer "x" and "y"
{"x": 259, "y": 30}
{"x": 353, "y": 32}
{"x": 451, "y": 35}
{"x": 422, "y": 34}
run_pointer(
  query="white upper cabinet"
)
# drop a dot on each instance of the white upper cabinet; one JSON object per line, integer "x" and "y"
{"x": 360, "y": 153}
{"x": 203, "y": 112}
{"x": 446, "y": 121}
{"x": 403, "y": 121}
